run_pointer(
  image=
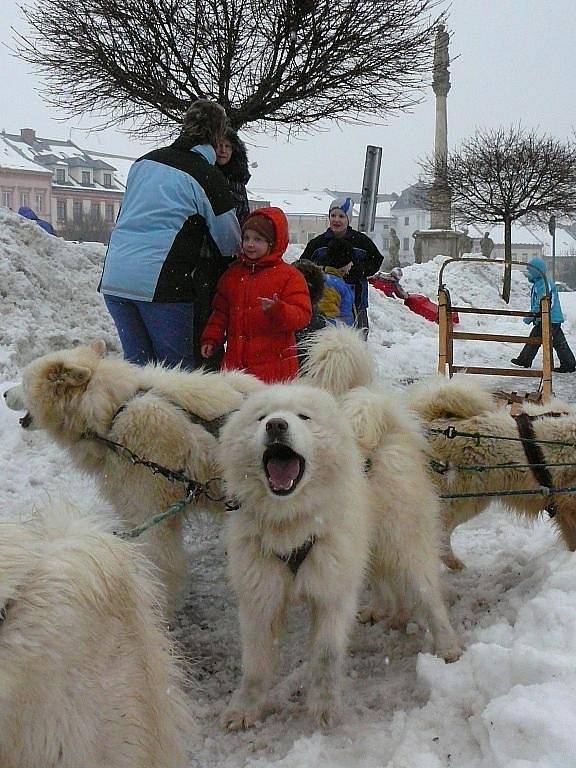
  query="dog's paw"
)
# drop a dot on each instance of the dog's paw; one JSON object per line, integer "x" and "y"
{"x": 453, "y": 563}
{"x": 325, "y": 714}
{"x": 237, "y": 718}
{"x": 369, "y": 615}
{"x": 450, "y": 650}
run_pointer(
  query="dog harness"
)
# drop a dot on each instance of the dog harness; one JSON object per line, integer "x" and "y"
{"x": 535, "y": 455}
{"x": 213, "y": 426}
{"x": 295, "y": 558}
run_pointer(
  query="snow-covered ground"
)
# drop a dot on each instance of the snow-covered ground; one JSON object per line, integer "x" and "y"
{"x": 509, "y": 702}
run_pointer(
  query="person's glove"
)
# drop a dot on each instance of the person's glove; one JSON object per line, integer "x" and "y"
{"x": 267, "y": 304}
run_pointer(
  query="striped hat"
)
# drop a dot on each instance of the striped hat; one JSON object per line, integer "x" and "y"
{"x": 343, "y": 204}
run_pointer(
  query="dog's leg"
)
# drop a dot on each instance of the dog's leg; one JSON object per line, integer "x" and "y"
{"x": 331, "y": 623}
{"x": 260, "y": 627}
{"x": 425, "y": 584}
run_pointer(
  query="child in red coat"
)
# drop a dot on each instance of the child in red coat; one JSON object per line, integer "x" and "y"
{"x": 260, "y": 302}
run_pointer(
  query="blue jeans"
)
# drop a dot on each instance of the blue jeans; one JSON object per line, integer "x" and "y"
{"x": 154, "y": 332}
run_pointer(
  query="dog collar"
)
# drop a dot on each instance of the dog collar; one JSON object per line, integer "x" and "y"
{"x": 295, "y": 558}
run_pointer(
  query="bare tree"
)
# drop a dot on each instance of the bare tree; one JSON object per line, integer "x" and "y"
{"x": 86, "y": 229}
{"x": 500, "y": 176}
{"x": 268, "y": 62}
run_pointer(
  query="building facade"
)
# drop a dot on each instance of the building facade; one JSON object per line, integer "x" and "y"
{"x": 62, "y": 182}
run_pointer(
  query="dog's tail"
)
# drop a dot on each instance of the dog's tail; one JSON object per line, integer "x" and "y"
{"x": 443, "y": 398}
{"x": 338, "y": 360}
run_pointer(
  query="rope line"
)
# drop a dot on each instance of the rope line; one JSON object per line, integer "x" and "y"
{"x": 542, "y": 491}
{"x": 452, "y": 432}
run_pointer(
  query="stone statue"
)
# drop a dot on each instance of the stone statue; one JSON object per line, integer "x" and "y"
{"x": 394, "y": 248}
{"x": 441, "y": 76}
{"x": 486, "y": 245}
{"x": 417, "y": 247}
{"x": 465, "y": 243}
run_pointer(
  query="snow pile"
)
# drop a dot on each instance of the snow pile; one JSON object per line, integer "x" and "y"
{"x": 509, "y": 702}
{"x": 48, "y": 290}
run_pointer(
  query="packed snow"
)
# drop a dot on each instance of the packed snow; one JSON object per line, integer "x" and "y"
{"x": 509, "y": 702}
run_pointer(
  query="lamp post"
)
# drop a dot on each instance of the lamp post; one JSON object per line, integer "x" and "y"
{"x": 552, "y": 230}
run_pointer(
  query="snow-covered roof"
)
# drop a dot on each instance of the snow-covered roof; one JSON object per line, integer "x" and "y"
{"x": 51, "y": 152}
{"x": 306, "y": 202}
{"x": 12, "y": 159}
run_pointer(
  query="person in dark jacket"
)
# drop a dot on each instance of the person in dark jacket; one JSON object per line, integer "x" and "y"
{"x": 232, "y": 160}
{"x": 176, "y": 234}
{"x": 315, "y": 282}
{"x": 367, "y": 257}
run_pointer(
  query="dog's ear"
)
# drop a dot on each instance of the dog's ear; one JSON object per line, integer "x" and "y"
{"x": 99, "y": 346}
{"x": 68, "y": 375}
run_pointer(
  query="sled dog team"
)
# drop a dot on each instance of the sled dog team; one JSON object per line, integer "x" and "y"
{"x": 331, "y": 478}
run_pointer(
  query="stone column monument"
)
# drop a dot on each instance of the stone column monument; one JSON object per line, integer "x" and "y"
{"x": 440, "y": 238}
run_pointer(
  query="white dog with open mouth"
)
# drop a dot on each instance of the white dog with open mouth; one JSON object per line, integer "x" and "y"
{"x": 302, "y": 531}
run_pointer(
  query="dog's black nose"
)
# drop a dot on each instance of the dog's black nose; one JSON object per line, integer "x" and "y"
{"x": 5, "y": 394}
{"x": 276, "y": 428}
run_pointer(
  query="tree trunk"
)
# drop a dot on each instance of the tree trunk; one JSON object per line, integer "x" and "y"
{"x": 507, "y": 259}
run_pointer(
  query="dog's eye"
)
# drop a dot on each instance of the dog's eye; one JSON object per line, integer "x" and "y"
{"x": 261, "y": 418}
{"x": 303, "y": 417}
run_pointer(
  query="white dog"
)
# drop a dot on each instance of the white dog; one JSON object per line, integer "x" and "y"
{"x": 406, "y": 545}
{"x": 468, "y": 407}
{"x": 302, "y": 532}
{"x": 87, "y": 675}
{"x": 406, "y": 565}
{"x": 161, "y": 414}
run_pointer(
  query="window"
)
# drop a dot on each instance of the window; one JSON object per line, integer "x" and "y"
{"x": 25, "y": 199}
{"x": 7, "y": 198}
{"x": 61, "y": 210}
{"x": 107, "y": 179}
{"x": 39, "y": 199}
{"x": 60, "y": 175}
{"x": 385, "y": 226}
{"x": 86, "y": 178}
{"x": 109, "y": 215}
{"x": 94, "y": 211}
{"x": 405, "y": 243}
{"x": 406, "y": 220}
{"x": 385, "y": 243}
{"x": 76, "y": 210}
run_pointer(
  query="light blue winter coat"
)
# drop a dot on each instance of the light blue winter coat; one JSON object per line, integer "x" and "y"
{"x": 539, "y": 291}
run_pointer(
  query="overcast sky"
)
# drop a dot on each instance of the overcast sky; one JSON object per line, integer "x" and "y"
{"x": 513, "y": 60}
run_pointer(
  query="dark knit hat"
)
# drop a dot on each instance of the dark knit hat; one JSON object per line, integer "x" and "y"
{"x": 262, "y": 225}
{"x": 314, "y": 278}
{"x": 338, "y": 254}
{"x": 205, "y": 121}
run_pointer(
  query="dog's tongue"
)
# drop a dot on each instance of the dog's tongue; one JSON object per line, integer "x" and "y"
{"x": 282, "y": 473}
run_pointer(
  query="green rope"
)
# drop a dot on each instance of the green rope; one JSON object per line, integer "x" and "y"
{"x": 541, "y": 491}
{"x": 451, "y": 432}
{"x": 172, "y": 511}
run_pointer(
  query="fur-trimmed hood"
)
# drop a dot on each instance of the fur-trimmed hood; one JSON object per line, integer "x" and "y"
{"x": 237, "y": 167}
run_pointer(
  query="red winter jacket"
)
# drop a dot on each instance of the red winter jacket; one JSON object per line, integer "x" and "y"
{"x": 262, "y": 343}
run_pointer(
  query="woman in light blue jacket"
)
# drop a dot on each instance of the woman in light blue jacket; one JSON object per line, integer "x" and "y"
{"x": 535, "y": 267}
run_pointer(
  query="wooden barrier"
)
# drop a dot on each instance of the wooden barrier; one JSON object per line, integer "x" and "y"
{"x": 447, "y": 334}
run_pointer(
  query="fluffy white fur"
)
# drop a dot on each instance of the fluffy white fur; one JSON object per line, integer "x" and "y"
{"x": 87, "y": 674}
{"x": 338, "y": 360}
{"x": 69, "y": 392}
{"x": 331, "y": 503}
{"x": 405, "y": 567}
{"x": 406, "y": 544}
{"x": 469, "y": 407}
